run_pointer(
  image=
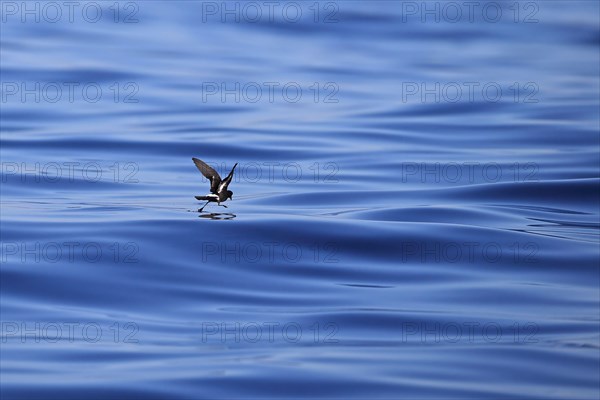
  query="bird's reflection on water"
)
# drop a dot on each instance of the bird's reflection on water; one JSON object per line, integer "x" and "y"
{"x": 215, "y": 215}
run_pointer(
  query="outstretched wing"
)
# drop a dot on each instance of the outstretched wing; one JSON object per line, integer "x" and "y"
{"x": 209, "y": 173}
{"x": 223, "y": 186}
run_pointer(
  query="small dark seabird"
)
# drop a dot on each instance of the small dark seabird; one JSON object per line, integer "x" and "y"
{"x": 218, "y": 187}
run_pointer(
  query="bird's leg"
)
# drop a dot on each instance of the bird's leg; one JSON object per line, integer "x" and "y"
{"x": 200, "y": 210}
{"x": 222, "y": 205}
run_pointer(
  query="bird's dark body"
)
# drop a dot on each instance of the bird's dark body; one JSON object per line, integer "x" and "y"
{"x": 218, "y": 198}
{"x": 219, "y": 191}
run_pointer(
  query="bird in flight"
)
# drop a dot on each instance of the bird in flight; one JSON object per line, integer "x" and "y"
{"x": 218, "y": 187}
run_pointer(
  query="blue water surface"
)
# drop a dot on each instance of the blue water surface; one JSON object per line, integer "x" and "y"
{"x": 415, "y": 210}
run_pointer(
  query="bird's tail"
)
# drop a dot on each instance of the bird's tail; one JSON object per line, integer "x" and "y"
{"x": 202, "y": 198}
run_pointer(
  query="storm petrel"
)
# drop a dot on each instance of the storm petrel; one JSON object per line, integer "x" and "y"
{"x": 218, "y": 187}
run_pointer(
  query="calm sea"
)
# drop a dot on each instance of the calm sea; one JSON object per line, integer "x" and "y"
{"x": 415, "y": 210}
